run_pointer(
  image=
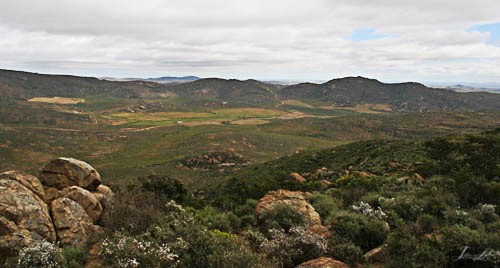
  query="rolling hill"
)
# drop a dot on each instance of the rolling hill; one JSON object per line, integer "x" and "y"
{"x": 403, "y": 97}
{"x": 343, "y": 92}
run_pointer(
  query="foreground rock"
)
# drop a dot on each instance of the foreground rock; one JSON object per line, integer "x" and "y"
{"x": 296, "y": 200}
{"x": 323, "y": 262}
{"x": 64, "y": 206}
{"x": 64, "y": 172}
{"x": 74, "y": 227}
{"x": 24, "y": 216}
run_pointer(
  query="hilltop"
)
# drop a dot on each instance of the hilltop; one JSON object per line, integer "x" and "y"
{"x": 403, "y": 97}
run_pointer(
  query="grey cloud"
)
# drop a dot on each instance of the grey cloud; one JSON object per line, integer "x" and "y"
{"x": 260, "y": 38}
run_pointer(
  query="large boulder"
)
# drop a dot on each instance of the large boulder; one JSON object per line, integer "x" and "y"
{"x": 323, "y": 262}
{"x": 86, "y": 199}
{"x": 74, "y": 227}
{"x": 296, "y": 200}
{"x": 24, "y": 216}
{"x": 64, "y": 172}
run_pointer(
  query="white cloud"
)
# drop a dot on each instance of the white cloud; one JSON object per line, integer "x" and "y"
{"x": 251, "y": 39}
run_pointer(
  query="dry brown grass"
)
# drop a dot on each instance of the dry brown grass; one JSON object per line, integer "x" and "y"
{"x": 297, "y": 103}
{"x": 253, "y": 121}
{"x": 57, "y": 100}
{"x": 367, "y": 108}
{"x": 201, "y": 123}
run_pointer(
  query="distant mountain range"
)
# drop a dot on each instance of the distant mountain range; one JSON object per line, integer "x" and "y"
{"x": 343, "y": 92}
{"x": 165, "y": 79}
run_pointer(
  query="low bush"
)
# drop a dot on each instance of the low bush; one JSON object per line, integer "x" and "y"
{"x": 364, "y": 231}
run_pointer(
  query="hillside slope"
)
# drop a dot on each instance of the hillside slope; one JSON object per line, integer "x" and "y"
{"x": 403, "y": 97}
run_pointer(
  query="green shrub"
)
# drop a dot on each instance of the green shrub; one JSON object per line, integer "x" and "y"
{"x": 213, "y": 219}
{"x": 324, "y": 204}
{"x": 406, "y": 251}
{"x": 164, "y": 187}
{"x": 364, "y": 231}
{"x": 344, "y": 250}
{"x": 456, "y": 237}
{"x": 281, "y": 216}
{"x": 74, "y": 257}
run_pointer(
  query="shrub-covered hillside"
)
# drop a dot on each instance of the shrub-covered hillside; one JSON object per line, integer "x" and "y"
{"x": 421, "y": 203}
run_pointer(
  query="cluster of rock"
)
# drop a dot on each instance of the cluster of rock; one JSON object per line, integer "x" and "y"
{"x": 63, "y": 205}
{"x": 214, "y": 160}
{"x": 142, "y": 106}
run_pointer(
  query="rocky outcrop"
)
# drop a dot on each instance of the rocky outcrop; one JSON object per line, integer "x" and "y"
{"x": 297, "y": 177}
{"x": 65, "y": 172}
{"x": 24, "y": 216}
{"x": 298, "y": 201}
{"x": 74, "y": 227}
{"x": 63, "y": 206}
{"x": 323, "y": 262}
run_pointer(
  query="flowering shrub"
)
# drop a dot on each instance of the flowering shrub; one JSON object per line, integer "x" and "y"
{"x": 40, "y": 254}
{"x": 486, "y": 213}
{"x": 366, "y": 209}
{"x": 294, "y": 247}
{"x": 126, "y": 251}
{"x": 492, "y": 256}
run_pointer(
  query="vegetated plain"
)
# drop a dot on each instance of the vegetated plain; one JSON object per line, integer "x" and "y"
{"x": 356, "y": 141}
{"x": 135, "y": 128}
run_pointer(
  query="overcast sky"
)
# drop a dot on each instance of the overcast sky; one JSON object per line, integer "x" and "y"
{"x": 391, "y": 40}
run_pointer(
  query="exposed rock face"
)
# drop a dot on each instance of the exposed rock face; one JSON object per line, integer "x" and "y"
{"x": 86, "y": 199}
{"x": 65, "y": 172}
{"x": 74, "y": 227}
{"x": 323, "y": 262}
{"x": 29, "y": 181}
{"x": 24, "y": 216}
{"x": 296, "y": 200}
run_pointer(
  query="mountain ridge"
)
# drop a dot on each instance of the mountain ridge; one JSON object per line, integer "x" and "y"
{"x": 338, "y": 92}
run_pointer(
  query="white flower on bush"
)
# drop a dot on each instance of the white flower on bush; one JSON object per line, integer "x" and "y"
{"x": 128, "y": 251}
{"x": 366, "y": 209}
{"x": 297, "y": 243}
{"x": 492, "y": 256}
{"x": 40, "y": 254}
{"x": 487, "y": 208}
